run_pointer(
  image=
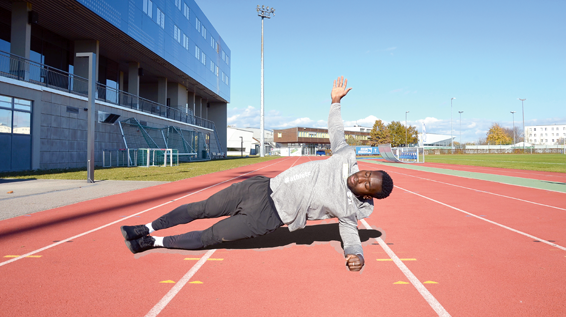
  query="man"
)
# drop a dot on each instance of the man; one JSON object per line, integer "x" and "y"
{"x": 332, "y": 188}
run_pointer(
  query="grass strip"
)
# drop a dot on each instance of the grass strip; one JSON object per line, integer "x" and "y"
{"x": 533, "y": 162}
{"x": 164, "y": 174}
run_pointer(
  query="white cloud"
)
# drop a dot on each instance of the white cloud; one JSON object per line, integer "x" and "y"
{"x": 472, "y": 125}
{"x": 365, "y": 122}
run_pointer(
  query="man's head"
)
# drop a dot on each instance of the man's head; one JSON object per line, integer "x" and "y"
{"x": 370, "y": 184}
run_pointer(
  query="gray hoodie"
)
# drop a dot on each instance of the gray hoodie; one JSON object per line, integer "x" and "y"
{"x": 317, "y": 190}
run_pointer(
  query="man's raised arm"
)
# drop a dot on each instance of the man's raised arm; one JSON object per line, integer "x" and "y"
{"x": 335, "y": 125}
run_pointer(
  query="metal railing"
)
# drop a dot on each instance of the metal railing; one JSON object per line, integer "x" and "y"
{"x": 16, "y": 67}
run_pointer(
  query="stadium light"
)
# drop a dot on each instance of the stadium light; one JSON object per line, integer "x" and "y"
{"x": 460, "y": 112}
{"x": 524, "y": 132}
{"x": 513, "y": 112}
{"x": 406, "y": 143}
{"x": 263, "y": 12}
{"x": 451, "y": 139}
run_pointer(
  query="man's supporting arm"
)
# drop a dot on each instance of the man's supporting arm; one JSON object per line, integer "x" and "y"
{"x": 352, "y": 245}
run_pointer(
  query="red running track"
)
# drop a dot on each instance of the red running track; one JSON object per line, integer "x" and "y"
{"x": 474, "y": 253}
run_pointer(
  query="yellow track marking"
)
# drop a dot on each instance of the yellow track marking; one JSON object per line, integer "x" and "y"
{"x": 430, "y": 282}
{"x": 17, "y": 256}
{"x": 401, "y": 282}
{"x": 167, "y": 282}
{"x": 195, "y": 282}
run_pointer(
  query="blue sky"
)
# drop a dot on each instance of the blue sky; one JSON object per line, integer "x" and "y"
{"x": 398, "y": 56}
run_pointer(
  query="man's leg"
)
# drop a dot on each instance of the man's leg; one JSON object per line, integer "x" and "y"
{"x": 223, "y": 203}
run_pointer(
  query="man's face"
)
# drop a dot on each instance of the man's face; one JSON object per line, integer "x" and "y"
{"x": 364, "y": 184}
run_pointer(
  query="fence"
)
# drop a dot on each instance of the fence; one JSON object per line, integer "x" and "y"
{"x": 16, "y": 67}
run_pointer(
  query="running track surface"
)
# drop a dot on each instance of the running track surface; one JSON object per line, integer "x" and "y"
{"x": 439, "y": 245}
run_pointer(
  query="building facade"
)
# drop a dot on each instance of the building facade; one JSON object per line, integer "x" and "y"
{"x": 546, "y": 134}
{"x": 315, "y": 138}
{"x": 160, "y": 62}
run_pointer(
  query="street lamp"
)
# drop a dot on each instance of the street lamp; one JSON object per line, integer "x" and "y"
{"x": 513, "y": 112}
{"x": 460, "y": 112}
{"x": 524, "y": 132}
{"x": 241, "y": 146}
{"x": 263, "y": 12}
{"x": 406, "y": 144}
{"x": 451, "y": 139}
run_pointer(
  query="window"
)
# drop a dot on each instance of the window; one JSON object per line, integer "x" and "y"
{"x": 177, "y": 34}
{"x": 278, "y": 135}
{"x": 217, "y": 76}
{"x": 198, "y": 24}
{"x": 147, "y": 7}
{"x": 212, "y": 66}
{"x": 178, "y": 4}
{"x": 185, "y": 42}
{"x": 227, "y": 60}
{"x": 15, "y": 115}
{"x": 197, "y": 52}
{"x": 186, "y": 11}
{"x": 223, "y": 56}
{"x": 203, "y": 32}
{"x": 212, "y": 42}
{"x": 203, "y": 58}
{"x": 160, "y": 18}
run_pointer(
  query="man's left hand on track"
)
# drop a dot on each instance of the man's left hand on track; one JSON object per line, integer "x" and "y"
{"x": 354, "y": 262}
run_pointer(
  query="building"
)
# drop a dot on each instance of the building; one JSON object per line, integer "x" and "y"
{"x": 159, "y": 66}
{"x": 313, "y": 138}
{"x": 241, "y": 142}
{"x": 432, "y": 139}
{"x": 546, "y": 134}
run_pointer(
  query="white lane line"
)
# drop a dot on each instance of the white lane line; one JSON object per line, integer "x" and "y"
{"x": 295, "y": 161}
{"x": 175, "y": 289}
{"x": 486, "y": 192}
{"x": 492, "y": 222}
{"x": 431, "y": 300}
{"x": 117, "y": 221}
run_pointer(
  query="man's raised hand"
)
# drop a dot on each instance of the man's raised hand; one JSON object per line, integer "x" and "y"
{"x": 339, "y": 89}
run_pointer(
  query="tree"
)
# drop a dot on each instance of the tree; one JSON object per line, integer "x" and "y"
{"x": 412, "y": 135}
{"x": 397, "y": 131}
{"x": 351, "y": 140}
{"x": 379, "y": 134}
{"x": 497, "y": 135}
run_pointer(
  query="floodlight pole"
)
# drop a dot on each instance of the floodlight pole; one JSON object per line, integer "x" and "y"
{"x": 406, "y": 143}
{"x": 263, "y": 12}
{"x": 91, "y": 112}
{"x": 513, "y": 112}
{"x": 524, "y": 132}
{"x": 451, "y": 138}
{"x": 460, "y": 112}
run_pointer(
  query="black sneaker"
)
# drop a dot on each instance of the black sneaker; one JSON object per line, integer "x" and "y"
{"x": 141, "y": 244}
{"x": 134, "y": 232}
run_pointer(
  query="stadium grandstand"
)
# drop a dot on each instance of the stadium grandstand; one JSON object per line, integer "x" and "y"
{"x": 160, "y": 67}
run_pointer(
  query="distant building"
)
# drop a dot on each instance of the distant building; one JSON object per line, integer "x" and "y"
{"x": 241, "y": 142}
{"x": 314, "y": 138}
{"x": 546, "y": 134}
{"x": 432, "y": 139}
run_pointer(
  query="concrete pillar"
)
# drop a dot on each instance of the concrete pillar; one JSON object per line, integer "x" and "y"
{"x": 218, "y": 113}
{"x": 178, "y": 95}
{"x": 191, "y": 101}
{"x": 205, "y": 115}
{"x": 121, "y": 87}
{"x": 81, "y": 64}
{"x": 162, "y": 90}
{"x": 197, "y": 106}
{"x": 200, "y": 110}
{"x": 134, "y": 82}
{"x": 21, "y": 29}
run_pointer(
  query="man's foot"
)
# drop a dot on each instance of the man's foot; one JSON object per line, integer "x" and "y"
{"x": 134, "y": 232}
{"x": 141, "y": 244}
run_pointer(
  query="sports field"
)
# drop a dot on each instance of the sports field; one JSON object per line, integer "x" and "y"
{"x": 441, "y": 245}
{"x": 534, "y": 162}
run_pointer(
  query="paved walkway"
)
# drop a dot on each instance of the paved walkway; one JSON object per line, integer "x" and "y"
{"x": 26, "y": 196}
